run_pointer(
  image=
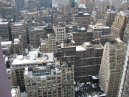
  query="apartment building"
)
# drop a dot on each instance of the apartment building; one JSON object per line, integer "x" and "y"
{"x": 54, "y": 80}
{"x": 32, "y": 59}
{"x": 112, "y": 66}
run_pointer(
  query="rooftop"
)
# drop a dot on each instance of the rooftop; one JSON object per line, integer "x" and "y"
{"x": 89, "y": 88}
{"x": 99, "y": 26}
{"x": 81, "y": 14}
{"x": 42, "y": 72}
{"x": 33, "y": 57}
{"x": 6, "y": 44}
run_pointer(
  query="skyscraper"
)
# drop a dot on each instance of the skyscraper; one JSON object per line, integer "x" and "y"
{"x": 5, "y": 90}
{"x": 112, "y": 66}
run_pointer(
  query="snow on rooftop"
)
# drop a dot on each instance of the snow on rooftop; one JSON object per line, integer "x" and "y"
{"x": 32, "y": 58}
{"x": 16, "y": 41}
{"x": 3, "y": 23}
{"x": 18, "y": 24}
{"x": 118, "y": 40}
{"x": 6, "y": 42}
{"x": 82, "y": 6}
{"x": 80, "y": 48}
{"x": 99, "y": 26}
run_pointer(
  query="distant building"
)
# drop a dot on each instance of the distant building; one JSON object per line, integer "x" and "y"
{"x": 82, "y": 19}
{"x": 33, "y": 4}
{"x": 112, "y": 66}
{"x": 45, "y": 3}
{"x": 6, "y": 10}
{"x": 81, "y": 35}
{"x": 4, "y": 31}
{"x": 18, "y": 47}
{"x": 19, "y": 4}
{"x": 109, "y": 18}
{"x": 35, "y": 35}
{"x": 54, "y": 80}
{"x": 18, "y": 30}
{"x": 55, "y": 37}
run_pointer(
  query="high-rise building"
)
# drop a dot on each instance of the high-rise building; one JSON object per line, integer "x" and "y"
{"x": 5, "y": 90}
{"x": 119, "y": 24}
{"x": 54, "y": 80}
{"x": 112, "y": 66}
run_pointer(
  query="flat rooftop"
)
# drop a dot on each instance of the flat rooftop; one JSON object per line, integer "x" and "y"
{"x": 33, "y": 57}
{"x": 43, "y": 71}
{"x": 99, "y": 26}
{"x": 6, "y": 44}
